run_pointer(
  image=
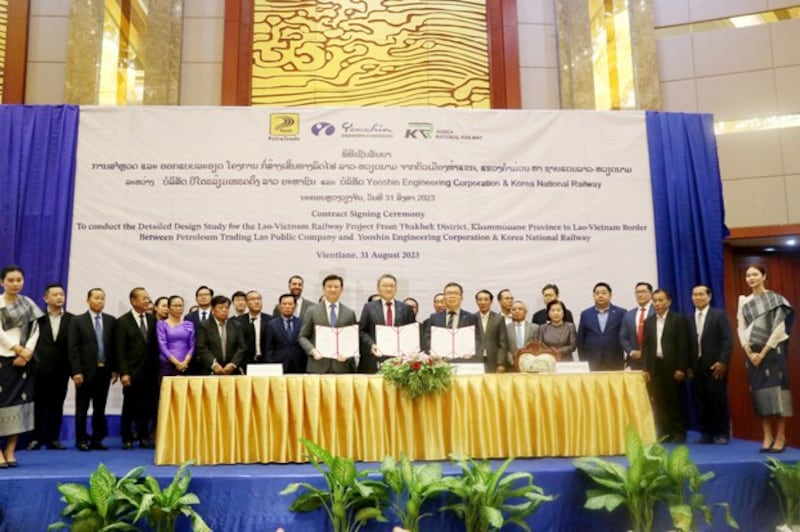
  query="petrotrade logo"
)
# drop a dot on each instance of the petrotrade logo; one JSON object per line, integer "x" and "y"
{"x": 284, "y": 124}
{"x": 419, "y": 130}
{"x": 323, "y": 128}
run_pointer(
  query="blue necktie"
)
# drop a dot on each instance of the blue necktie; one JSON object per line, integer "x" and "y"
{"x": 288, "y": 324}
{"x": 98, "y": 333}
{"x": 333, "y": 315}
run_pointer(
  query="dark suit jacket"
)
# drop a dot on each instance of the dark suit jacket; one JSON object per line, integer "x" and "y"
{"x": 282, "y": 347}
{"x": 194, "y": 317}
{"x": 494, "y": 340}
{"x": 208, "y": 345}
{"x": 602, "y": 350}
{"x": 304, "y": 306}
{"x": 136, "y": 356}
{"x": 465, "y": 319}
{"x": 250, "y": 335}
{"x": 52, "y": 356}
{"x": 716, "y": 339}
{"x": 318, "y": 315}
{"x": 540, "y": 316}
{"x": 627, "y": 334}
{"x": 372, "y": 315}
{"x": 82, "y": 344}
{"x": 675, "y": 344}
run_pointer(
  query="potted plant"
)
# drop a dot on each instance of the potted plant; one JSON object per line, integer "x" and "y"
{"x": 488, "y": 500}
{"x": 418, "y": 375}
{"x": 349, "y": 498}
{"x": 163, "y": 507}
{"x": 412, "y": 486}
{"x": 784, "y": 479}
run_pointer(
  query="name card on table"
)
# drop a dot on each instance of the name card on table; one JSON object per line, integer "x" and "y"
{"x": 264, "y": 370}
{"x": 465, "y": 368}
{"x": 397, "y": 341}
{"x": 334, "y": 341}
{"x": 453, "y": 343}
{"x": 572, "y": 367}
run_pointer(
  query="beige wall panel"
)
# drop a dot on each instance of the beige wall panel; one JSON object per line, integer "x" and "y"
{"x": 44, "y": 83}
{"x": 679, "y": 96}
{"x": 537, "y": 46}
{"x": 737, "y": 96}
{"x": 47, "y": 39}
{"x": 670, "y": 12}
{"x": 203, "y": 8}
{"x": 790, "y": 147}
{"x": 536, "y": 11}
{"x": 711, "y": 9}
{"x": 775, "y": 4}
{"x": 201, "y": 84}
{"x": 731, "y": 51}
{"x": 755, "y": 202}
{"x": 202, "y": 40}
{"x": 786, "y": 42}
{"x": 539, "y": 88}
{"x": 787, "y": 83}
{"x": 49, "y": 8}
{"x": 793, "y": 197}
{"x": 675, "y": 58}
{"x": 750, "y": 154}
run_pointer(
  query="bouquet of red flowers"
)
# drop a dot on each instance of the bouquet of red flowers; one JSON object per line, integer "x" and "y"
{"x": 419, "y": 374}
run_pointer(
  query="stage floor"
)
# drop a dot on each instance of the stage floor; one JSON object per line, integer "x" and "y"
{"x": 245, "y": 497}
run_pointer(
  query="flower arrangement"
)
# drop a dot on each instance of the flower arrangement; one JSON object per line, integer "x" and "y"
{"x": 418, "y": 375}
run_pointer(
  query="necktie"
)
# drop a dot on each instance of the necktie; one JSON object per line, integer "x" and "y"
{"x": 98, "y": 333}
{"x": 222, "y": 338}
{"x": 288, "y": 324}
{"x": 389, "y": 317}
{"x": 203, "y": 316}
{"x": 520, "y": 336}
{"x": 333, "y": 315}
{"x": 640, "y": 326}
{"x": 450, "y": 319}
{"x": 143, "y": 326}
{"x": 699, "y": 325}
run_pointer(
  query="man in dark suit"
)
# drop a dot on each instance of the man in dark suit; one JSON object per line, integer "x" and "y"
{"x": 283, "y": 331}
{"x": 550, "y": 293}
{"x": 631, "y": 333}
{"x": 321, "y": 314}
{"x": 302, "y": 304}
{"x": 220, "y": 344}
{"x": 598, "y": 332}
{"x": 712, "y": 343}
{"x": 90, "y": 344}
{"x": 666, "y": 350}
{"x": 202, "y": 297}
{"x": 519, "y": 331}
{"x": 492, "y": 336}
{"x": 51, "y": 372}
{"x": 385, "y": 311}
{"x": 453, "y": 317}
{"x": 137, "y": 362}
{"x": 254, "y": 327}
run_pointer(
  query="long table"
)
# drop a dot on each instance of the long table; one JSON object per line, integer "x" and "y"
{"x": 240, "y": 420}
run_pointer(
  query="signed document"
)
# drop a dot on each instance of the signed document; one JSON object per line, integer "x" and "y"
{"x": 453, "y": 343}
{"x": 397, "y": 341}
{"x": 332, "y": 341}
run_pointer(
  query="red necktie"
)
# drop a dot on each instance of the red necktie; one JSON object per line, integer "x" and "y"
{"x": 389, "y": 317}
{"x": 640, "y": 326}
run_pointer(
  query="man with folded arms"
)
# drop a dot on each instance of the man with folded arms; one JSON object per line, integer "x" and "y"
{"x": 220, "y": 341}
{"x": 329, "y": 312}
{"x": 386, "y": 310}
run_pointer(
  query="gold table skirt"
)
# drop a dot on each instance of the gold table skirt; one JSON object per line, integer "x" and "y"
{"x": 241, "y": 420}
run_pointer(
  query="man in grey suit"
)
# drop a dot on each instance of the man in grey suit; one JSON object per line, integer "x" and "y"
{"x": 296, "y": 289}
{"x": 385, "y": 311}
{"x": 492, "y": 335}
{"x": 328, "y": 313}
{"x": 220, "y": 344}
{"x": 520, "y": 332}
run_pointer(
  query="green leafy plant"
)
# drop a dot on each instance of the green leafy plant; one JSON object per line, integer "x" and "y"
{"x": 104, "y": 505}
{"x": 637, "y": 487}
{"x": 418, "y": 375}
{"x": 350, "y": 498}
{"x": 490, "y": 499}
{"x": 784, "y": 479}
{"x": 412, "y": 486}
{"x": 163, "y": 507}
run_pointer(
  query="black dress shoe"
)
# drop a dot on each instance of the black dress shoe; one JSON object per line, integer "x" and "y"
{"x": 705, "y": 440}
{"x": 98, "y": 446}
{"x": 56, "y": 446}
{"x": 721, "y": 440}
{"x": 127, "y": 445}
{"x": 774, "y": 449}
{"x": 83, "y": 446}
{"x": 34, "y": 445}
{"x": 13, "y": 463}
{"x": 147, "y": 444}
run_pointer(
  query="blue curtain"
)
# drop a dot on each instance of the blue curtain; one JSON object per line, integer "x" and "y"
{"x": 37, "y": 184}
{"x": 687, "y": 205}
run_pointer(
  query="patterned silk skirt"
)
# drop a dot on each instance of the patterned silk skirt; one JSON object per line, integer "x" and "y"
{"x": 16, "y": 398}
{"x": 769, "y": 384}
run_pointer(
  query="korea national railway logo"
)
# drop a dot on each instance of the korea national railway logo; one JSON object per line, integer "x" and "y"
{"x": 323, "y": 128}
{"x": 284, "y": 124}
{"x": 419, "y": 130}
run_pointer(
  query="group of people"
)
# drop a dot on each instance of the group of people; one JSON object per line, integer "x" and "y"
{"x": 40, "y": 352}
